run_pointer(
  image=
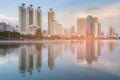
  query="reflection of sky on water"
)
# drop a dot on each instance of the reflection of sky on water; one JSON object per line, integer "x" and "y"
{"x": 70, "y": 58}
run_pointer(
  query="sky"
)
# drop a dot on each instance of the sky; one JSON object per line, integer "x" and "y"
{"x": 67, "y": 11}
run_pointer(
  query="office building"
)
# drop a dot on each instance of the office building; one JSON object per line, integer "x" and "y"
{"x": 54, "y": 28}
{"x": 98, "y": 32}
{"x": 90, "y": 26}
{"x": 60, "y": 30}
{"x": 111, "y": 31}
{"x": 81, "y": 25}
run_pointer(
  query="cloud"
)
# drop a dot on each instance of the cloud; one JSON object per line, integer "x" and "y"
{"x": 105, "y": 12}
{"x": 7, "y": 19}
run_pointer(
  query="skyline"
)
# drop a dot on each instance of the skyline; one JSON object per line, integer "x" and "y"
{"x": 68, "y": 13}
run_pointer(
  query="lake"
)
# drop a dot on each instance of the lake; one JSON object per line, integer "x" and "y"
{"x": 61, "y": 60}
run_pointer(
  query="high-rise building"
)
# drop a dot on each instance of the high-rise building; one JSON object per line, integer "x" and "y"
{"x": 22, "y": 18}
{"x": 30, "y": 17}
{"x": 95, "y": 20}
{"x": 90, "y": 26}
{"x": 97, "y": 29}
{"x": 81, "y": 25}
{"x": 99, "y": 32}
{"x": 38, "y": 18}
{"x": 51, "y": 18}
{"x": 60, "y": 30}
{"x": 72, "y": 30}
{"x": 54, "y": 27}
{"x": 111, "y": 31}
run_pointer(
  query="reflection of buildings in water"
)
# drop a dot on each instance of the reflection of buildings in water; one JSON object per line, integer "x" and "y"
{"x": 51, "y": 56}
{"x": 67, "y": 46}
{"x": 7, "y": 49}
{"x": 22, "y": 59}
{"x": 99, "y": 44}
{"x": 26, "y": 58}
{"x": 81, "y": 51}
{"x": 111, "y": 47}
{"x": 72, "y": 47}
{"x": 38, "y": 60}
{"x": 54, "y": 50}
{"x": 90, "y": 51}
{"x": 8, "y": 52}
{"x": 30, "y": 58}
{"x": 45, "y": 45}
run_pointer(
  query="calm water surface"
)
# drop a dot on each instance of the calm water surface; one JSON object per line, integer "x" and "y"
{"x": 69, "y": 60}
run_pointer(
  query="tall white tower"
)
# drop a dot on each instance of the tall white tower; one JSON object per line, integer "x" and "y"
{"x": 38, "y": 18}
{"x": 30, "y": 17}
{"x": 51, "y": 18}
{"x": 22, "y": 18}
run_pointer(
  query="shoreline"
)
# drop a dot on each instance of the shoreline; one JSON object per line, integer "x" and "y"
{"x": 51, "y": 41}
{"x": 31, "y": 41}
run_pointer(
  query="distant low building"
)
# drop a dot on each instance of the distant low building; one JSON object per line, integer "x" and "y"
{"x": 5, "y": 27}
{"x": 112, "y": 32}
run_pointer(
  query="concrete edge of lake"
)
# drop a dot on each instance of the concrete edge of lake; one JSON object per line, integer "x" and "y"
{"x": 43, "y": 41}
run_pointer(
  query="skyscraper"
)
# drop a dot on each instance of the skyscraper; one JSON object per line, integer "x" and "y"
{"x": 95, "y": 20}
{"x": 22, "y": 18}
{"x": 72, "y": 30}
{"x": 111, "y": 31}
{"x": 97, "y": 27}
{"x": 99, "y": 33}
{"x": 81, "y": 25}
{"x": 51, "y": 18}
{"x": 90, "y": 28}
{"x": 54, "y": 27}
{"x": 38, "y": 18}
{"x": 30, "y": 17}
{"x": 60, "y": 30}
